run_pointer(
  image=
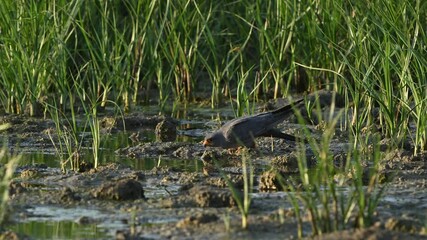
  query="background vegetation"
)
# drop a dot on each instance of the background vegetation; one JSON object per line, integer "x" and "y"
{"x": 130, "y": 52}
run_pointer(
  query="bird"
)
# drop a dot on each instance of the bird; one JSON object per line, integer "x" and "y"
{"x": 243, "y": 131}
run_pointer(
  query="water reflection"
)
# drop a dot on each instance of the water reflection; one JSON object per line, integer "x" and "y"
{"x": 191, "y": 128}
{"x": 60, "y": 230}
{"x": 107, "y": 154}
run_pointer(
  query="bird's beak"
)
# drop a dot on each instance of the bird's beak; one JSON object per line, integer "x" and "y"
{"x": 205, "y": 143}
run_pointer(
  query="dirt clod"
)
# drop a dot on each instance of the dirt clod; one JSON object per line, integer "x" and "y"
{"x": 207, "y": 197}
{"x": 166, "y": 131}
{"x": 197, "y": 219}
{"x": 269, "y": 181}
{"x": 29, "y": 173}
{"x": 127, "y": 189}
{"x": 404, "y": 225}
{"x": 68, "y": 195}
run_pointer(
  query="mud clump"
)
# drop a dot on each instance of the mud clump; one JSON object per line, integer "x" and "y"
{"x": 16, "y": 188}
{"x": 269, "y": 181}
{"x": 182, "y": 152}
{"x": 107, "y": 124}
{"x": 405, "y": 225}
{"x": 273, "y": 180}
{"x": 166, "y": 131}
{"x": 209, "y": 156}
{"x": 286, "y": 163}
{"x": 68, "y": 195}
{"x": 84, "y": 166}
{"x": 30, "y": 173}
{"x": 289, "y": 163}
{"x": 236, "y": 180}
{"x": 127, "y": 189}
{"x": 197, "y": 219}
{"x": 208, "y": 197}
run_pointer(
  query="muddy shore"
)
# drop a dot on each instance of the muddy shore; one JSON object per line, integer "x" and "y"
{"x": 171, "y": 203}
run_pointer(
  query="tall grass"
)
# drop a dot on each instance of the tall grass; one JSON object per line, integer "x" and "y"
{"x": 130, "y": 52}
{"x": 336, "y": 199}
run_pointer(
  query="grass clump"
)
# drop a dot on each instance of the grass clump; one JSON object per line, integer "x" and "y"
{"x": 336, "y": 199}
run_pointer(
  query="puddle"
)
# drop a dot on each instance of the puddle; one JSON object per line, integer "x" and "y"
{"x": 60, "y": 230}
{"x": 48, "y": 222}
{"x": 120, "y": 140}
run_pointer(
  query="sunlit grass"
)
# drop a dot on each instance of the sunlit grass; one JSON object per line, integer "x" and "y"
{"x": 335, "y": 199}
{"x": 123, "y": 51}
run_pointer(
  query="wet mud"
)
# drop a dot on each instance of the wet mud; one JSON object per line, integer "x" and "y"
{"x": 172, "y": 203}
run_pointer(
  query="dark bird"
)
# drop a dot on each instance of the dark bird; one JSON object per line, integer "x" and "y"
{"x": 243, "y": 131}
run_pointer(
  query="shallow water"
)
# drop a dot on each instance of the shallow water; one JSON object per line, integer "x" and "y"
{"x": 93, "y": 218}
{"x": 49, "y": 222}
{"x": 56, "y": 222}
{"x": 110, "y": 143}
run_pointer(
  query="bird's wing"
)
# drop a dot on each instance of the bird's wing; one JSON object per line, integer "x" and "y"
{"x": 248, "y": 127}
{"x": 284, "y": 112}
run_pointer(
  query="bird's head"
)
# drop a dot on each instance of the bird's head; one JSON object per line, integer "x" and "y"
{"x": 215, "y": 139}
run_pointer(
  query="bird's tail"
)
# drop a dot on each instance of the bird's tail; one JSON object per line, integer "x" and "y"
{"x": 288, "y": 108}
{"x": 278, "y": 134}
